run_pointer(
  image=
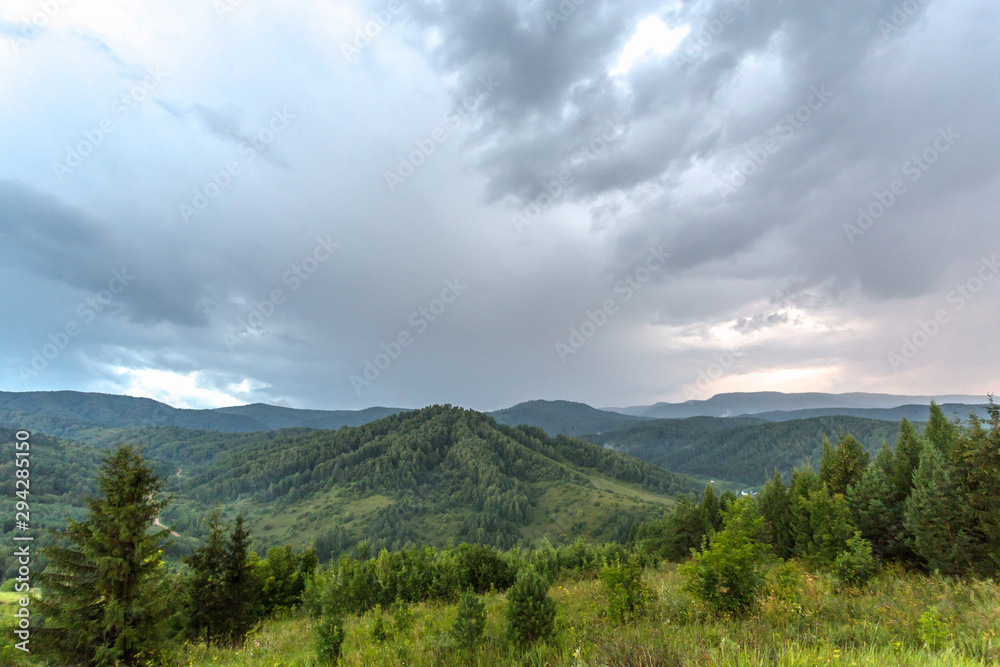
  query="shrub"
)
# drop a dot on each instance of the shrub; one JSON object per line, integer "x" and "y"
{"x": 470, "y": 622}
{"x": 934, "y": 628}
{"x": 379, "y": 631}
{"x": 531, "y": 613}
{"x": 727, "y": 574}
{"x": 857, "y": 565}
{"x": 329, "y": 639}
{"x": 628, "y": 598}
{"x": 480, "y": 568}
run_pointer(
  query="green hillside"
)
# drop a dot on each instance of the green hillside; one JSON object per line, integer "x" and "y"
{"x": 429, "y": 476}
{"x": 745, "y": 449}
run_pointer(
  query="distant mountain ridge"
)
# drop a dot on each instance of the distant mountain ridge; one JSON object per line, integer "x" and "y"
{"x": 754, "y": 403}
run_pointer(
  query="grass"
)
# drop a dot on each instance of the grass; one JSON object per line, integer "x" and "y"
{"x": 804, "y": 623}
{"x": 902, "y": 618}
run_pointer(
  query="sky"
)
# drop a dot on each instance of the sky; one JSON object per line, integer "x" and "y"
{"x": 404, "y": 202}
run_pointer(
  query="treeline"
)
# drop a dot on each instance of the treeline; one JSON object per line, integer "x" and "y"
{"x": 930, "y": 502}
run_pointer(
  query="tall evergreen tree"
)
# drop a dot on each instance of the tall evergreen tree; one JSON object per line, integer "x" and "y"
{"x": 877, "y": 512}
{"x": 907, "y": 458}
{"x": 934, "y": 515}
{"x": 977, "y": 461}
{"x": 207, "y": 606}
{"x": 940, "y": 432}
{"x": 103, "y": 602}
{"x": 710, "y": 512}
{"x": 843, "y": 467}
{"x": 776, "y": 509}
{"x": 804, "y": 481}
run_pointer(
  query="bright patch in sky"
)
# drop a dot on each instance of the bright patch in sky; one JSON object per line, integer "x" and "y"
{"x": 177, "y": 389}
{"x": 650, "y": 35}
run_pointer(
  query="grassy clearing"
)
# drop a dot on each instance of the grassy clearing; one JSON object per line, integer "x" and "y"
{"x": 901, "y": 619}
{"x": 801, "y": 622}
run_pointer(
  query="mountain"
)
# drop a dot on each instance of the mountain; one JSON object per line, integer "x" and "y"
{"x": 131, "y": 412}
{"x": 556, "y": 417}
{"x": 745, "y": 450}
{"x": 751, "y": 403}
{"x": 915, "y": 413}
{"x": 430, "y": 476}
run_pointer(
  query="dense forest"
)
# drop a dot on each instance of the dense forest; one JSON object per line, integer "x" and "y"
{"x": 853, "y": 531}
{"x": 745, "y": 450}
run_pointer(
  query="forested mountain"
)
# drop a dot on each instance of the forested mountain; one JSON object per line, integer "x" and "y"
{"x": 130, "y": 412}
{"x": 428, "y": 476}
{"x": 745, "y": 449}
{"x": 753, "y": 403}
{"x": 556, "y": 417}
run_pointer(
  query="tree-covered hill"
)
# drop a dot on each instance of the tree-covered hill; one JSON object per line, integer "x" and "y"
{"x": 428, "y": 476}
{"x": 745, "y": 449}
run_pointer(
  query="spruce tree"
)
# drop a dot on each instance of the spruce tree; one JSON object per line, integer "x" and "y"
{"x": 843, "y": 467}
{"x": 906, "y": 460}
{"x": 470, "y": 621}
{"x": 940, "y": 432}
{"x": 877, "y": 512}
{"x": 934, "y": 514}
{"x": 976, "y": 454}
{"x": 103, "y": 602}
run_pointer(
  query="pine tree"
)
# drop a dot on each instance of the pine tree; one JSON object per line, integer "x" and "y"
{"x": 934, "y": 515}
{"x": 241, "y": 584}
{"x": 103, "y": 601}
{"x": 470, "y": 622}
{"x": 804, "y": 481}
{"x": 531, "y": 613}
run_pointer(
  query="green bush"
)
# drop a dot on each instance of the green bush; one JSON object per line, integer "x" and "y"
{"x": 329, "y": 639}
{"x": 470, "y": 622}
{"x": 531, "y": 613}
{"x": 628, "y": 598}
{"x": 856, "y": 566}
{"x": 480, "y": 568}
{"x": 727, "y": 574}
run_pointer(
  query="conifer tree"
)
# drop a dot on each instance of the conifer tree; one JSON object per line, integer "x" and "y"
{"x": 470, "y": 622}
{"x": 531, "y": 613}
{"x": 906, "y": 460}
{"x": 843, "y": 467}
{"x": 977, "y": 461}
{"x": 103, "y": 602}
{"x": 776, "y": 509}
{"x": 710, "y": 512}
{"x": 940, "y": 432}
{"x": 877, "y": 512}
{"x": 934, "y": 514}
